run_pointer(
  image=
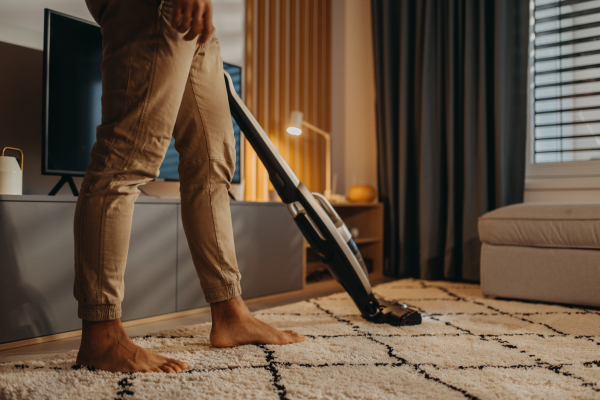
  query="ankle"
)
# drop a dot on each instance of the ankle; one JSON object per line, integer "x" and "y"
{"x": 102, "y": 333}
{"x": 229, "y": 311}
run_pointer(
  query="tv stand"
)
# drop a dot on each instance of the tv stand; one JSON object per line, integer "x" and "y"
{"x": 65, "y": 179}
{"x": 36, "y": 287}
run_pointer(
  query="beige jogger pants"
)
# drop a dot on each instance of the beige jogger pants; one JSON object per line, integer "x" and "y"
{"x": 154, "y": 85}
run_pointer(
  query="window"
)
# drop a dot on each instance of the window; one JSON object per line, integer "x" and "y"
{"x": 565, "y": 82}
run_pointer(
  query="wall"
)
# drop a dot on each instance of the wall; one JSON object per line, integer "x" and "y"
{"x": 22, "y": 22}
{"x": 353, "y": 94}
{"x": 21, "y": 42}
{"x": 573, "y": 189}
{"x": 21, "y": 112}
{"x": 288, "y": 68}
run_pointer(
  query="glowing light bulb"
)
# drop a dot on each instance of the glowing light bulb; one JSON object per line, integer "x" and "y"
{"x": 294, "y": 131}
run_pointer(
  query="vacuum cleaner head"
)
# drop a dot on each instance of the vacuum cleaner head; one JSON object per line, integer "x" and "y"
{"x": 396, "y": 314}
{"x": 320, "y": 224}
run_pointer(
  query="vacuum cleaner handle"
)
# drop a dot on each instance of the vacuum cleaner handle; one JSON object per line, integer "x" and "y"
{"x": 281, "y": 176}
{"x": 320, "y": 224}
{"x": 292, "y": 191}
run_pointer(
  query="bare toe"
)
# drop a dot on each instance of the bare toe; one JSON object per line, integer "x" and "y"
{"x": 293, "y": 337}
{"x": 156, "y": 369}
{"x": 182, "y": 365}
{"x": 175, "y": 367}
{"x": 167, "y": 369}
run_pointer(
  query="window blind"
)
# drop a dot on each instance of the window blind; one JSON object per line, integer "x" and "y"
{"x": 566, "y": 80}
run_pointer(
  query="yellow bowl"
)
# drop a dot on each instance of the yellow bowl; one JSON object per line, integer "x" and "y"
{"x": 361, "y": 194}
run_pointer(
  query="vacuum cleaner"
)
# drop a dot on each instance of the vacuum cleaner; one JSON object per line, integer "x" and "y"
{"x": 320, "y": 224}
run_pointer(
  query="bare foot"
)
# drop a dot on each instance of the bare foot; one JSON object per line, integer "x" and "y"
{"x": 106, "y": 346}
{"x": 234, "y": 325}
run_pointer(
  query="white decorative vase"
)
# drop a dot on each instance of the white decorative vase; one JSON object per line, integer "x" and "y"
{"x": 11, "y": 173}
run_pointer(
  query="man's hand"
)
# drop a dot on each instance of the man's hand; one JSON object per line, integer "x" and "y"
{"x": 193, "y": 17}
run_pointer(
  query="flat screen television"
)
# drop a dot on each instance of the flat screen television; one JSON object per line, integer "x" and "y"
{"x": 72, "y": 99}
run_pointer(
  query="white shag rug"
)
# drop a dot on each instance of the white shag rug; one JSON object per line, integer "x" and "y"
{"x": 467, "y": 347}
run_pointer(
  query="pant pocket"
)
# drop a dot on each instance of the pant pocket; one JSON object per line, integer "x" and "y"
{"x": 165, "y": 10}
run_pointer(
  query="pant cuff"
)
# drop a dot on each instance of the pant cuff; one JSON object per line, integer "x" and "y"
{"x": 222, "y": 293}
{"x": 102, "y": 312}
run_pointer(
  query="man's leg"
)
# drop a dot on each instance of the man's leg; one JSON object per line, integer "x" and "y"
{"x": 144, "y": 72}
{"x": 204, "y": 139}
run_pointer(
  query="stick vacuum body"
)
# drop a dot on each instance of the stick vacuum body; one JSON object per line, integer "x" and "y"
{"x": 320, "y": 224}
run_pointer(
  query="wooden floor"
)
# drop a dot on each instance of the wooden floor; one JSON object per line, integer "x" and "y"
{"x": 198, "y": 316}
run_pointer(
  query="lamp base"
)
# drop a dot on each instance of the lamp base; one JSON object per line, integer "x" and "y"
{"x": 336, "y": 198}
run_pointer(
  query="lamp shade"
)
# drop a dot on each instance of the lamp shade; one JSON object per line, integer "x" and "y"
{"x": 295, "y": 123}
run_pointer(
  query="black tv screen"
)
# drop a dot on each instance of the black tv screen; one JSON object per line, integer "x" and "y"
{"x": 72, "y": 98}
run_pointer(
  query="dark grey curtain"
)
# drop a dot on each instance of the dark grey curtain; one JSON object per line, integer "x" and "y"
{"x": 451, "y": 83}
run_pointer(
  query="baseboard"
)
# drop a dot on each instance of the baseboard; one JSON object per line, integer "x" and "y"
{"x": 72, "y": 334}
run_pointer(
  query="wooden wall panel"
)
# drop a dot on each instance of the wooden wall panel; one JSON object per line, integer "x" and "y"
{"x": 288, "y": 46}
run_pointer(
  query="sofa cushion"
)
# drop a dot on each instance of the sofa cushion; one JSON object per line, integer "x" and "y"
{"x": 561, "y": 225}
